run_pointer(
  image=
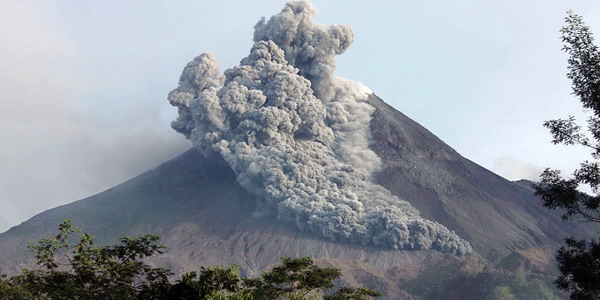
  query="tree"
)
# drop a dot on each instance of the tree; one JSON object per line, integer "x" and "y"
{"x": 578, "y": 260}
{"x": 84, "y": 271}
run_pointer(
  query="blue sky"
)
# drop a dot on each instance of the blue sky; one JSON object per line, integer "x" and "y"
{"x": 83, "y": 84}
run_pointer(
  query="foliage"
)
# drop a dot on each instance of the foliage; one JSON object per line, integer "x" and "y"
{"x": 211, "y": 282}
{"x": 294, "y": 277}
{"x": 579, "y": 265}
{"x": 353, "y": 293}
{"x": 578, "y": 260}
{"x": 84, "y": 271}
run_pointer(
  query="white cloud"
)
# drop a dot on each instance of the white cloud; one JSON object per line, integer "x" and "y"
{"x": 514, "y": 169}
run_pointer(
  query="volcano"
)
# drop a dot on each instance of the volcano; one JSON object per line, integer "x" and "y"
{"x": 202, "y": 214}
{"x": 289, "y": 160}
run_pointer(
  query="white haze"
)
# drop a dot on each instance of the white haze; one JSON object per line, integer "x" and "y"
{"x": 52, "y": 153}
{"x": 297, "y": 136}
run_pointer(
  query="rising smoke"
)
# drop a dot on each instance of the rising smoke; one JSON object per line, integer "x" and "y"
{"x": 298, "y": 137}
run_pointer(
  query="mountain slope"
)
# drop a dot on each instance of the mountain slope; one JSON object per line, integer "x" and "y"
{"x": 197, "y": 207}
{"x": 497, "y": 216}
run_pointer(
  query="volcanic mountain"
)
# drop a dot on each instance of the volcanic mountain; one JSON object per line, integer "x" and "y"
{"x": 289, "y": 160}
{"x": 196, "y": 205}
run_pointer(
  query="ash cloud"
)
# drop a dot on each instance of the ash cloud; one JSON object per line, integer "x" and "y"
{"x": 298, "y": 137}
{"x": 200, "y": 74}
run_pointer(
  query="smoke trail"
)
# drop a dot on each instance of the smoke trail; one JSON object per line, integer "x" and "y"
{"x": 298, "y": 137}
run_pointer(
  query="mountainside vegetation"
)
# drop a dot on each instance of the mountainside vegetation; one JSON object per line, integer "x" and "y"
{"x": 84, "y": 271}
{"x": 73, "y": 267}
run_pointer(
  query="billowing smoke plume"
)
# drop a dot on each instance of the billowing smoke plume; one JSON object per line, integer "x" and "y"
{"x": 198, "y": 75}
{"x": 298, "y": 137}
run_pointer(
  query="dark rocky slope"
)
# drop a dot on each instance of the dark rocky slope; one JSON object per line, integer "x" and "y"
{"x": 497, "y": 216}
